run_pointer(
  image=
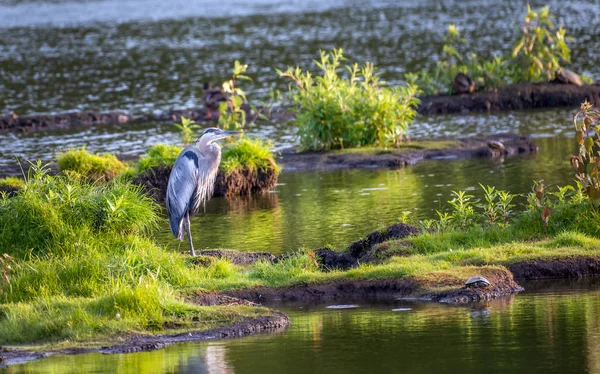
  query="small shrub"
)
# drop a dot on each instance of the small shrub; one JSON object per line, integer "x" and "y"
{"x": 538, "y": 52}
{"x": 187, "y": 127}
{"x": 12, "y": 182}
{"x": 541, "y": 48}
{"x": 92, "y": 166}
{"x": 253, "y": 154}
{"x": 231, "y": 114}
{"x": 333, "y": 111}
{"x": 158, "y": 155}
{"x": 587, "y": 162}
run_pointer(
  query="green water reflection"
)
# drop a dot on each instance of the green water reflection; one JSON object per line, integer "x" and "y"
{"x": 554, "y": 327}
{"x": 312, "y": 209}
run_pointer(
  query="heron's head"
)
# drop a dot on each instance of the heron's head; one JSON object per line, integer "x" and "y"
{"x": 213, "y": 134}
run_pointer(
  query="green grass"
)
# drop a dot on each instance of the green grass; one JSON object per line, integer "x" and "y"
{"x": 80, "y": 253}
{"x": 253, "y": 154}
{"x": 158, "y": 155}
{"x": 92, "y": 166}
{"x": 12, "y": 182}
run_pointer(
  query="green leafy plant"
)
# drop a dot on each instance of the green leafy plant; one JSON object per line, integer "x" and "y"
{"x": 587, "y": 162}
{"x": 187, "y": 127}
{"x": 463, "y": 213}
{"x": 541, "y": 48}
{"x": 539, "y": 51}
{"x": 231, "y": 114}
{"x": 333, "y": 111}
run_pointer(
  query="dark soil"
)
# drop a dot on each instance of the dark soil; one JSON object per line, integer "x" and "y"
{"x": 45, "y": 122}
{"x": 520, "y": 96}
{"x": 567, "y": 267}
{"x": 243, "y": 182}
{"x": 479, "y": 146}
{"x": 515, "y": 97}
{"x": 441, "y": 286}
{"x": 140, "y": 343}
{"x": 238, "y": 258}
{"x": 361, "y": 250}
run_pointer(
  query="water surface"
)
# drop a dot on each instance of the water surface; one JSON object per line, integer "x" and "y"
{"x": 552, "y": 327}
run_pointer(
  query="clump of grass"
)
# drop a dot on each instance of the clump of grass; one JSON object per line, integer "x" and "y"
{"x": 80, "y": 254}
{"x": 158, "y": 155}
{"x": 12, "y": 182}
{"x": 92, "y": 166}
{"x": 333, "y": 111}
{"x": 252, "y": 154}
{"x": 146, "y": 307}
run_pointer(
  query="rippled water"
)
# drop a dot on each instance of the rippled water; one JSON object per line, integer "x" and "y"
{"x": 553, "y": 327}
{"x": 147, "y": 55}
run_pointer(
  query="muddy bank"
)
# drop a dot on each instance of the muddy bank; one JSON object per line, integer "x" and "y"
{"x": 140, "y": 343}
{"x": 361, "y": 251}
{"x": 515, "y": 97}
{"x": 565, "y": 267}
{"x": 480, "y": 146}
{"x": 240, "y": 182}
{"x": 438, "y": 286}
{"x": 46, "y": 122}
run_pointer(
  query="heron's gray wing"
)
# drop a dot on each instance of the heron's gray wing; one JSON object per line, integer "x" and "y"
{"x": 181, "y": 188}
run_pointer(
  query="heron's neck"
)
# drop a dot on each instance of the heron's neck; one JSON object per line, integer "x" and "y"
{"x": 208, "y": 148}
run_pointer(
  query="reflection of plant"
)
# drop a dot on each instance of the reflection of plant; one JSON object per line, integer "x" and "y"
{"x": 587, "y": 162}
{"x": 187, "y": 128}
{"x": 541, "y": 47}
{"x": 333, "y": 111}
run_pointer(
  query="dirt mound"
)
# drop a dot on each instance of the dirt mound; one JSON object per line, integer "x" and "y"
{"x": 438, "y": 286}
{"x": 238, "y": 258}
{"x": 567, "y": 267}
{"x": 243, "y": 182}
{"x": 514, "y": 97}
{"x": 361, "y": 250}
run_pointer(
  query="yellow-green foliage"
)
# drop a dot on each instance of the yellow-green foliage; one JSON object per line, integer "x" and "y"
{"x": 12, "y": 182}
{"x": 333, "y": 111}
{"x": 158, "y": 155}
{"x": 92, "y": 166}
{"x": 248, "y": 153}
{"x": 81, "y": 253}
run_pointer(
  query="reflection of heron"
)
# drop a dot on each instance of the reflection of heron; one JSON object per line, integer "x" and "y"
{"x": 192, "y": 180}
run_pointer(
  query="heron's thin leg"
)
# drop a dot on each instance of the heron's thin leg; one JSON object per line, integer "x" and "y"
{"x": 189, "y": 230}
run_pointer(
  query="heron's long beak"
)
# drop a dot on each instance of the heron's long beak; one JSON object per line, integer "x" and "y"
{"x": 225, "y": 134}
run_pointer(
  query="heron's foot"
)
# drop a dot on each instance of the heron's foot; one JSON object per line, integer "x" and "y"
{"x": 192, "y": 252}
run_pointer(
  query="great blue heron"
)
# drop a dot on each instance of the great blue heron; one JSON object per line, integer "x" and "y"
{"x": 192, "y": 180}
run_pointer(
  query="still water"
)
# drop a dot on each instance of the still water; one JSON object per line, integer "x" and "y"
{"x": 311, "y": 209}
{"x": 551, "y": 327}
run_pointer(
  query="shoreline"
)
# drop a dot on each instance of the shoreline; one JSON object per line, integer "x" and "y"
{"x": 508, "y": 98}
{"x": 438, "y": 286}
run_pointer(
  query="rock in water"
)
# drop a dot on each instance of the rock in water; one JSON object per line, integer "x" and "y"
{"x": 567, "y": 76}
